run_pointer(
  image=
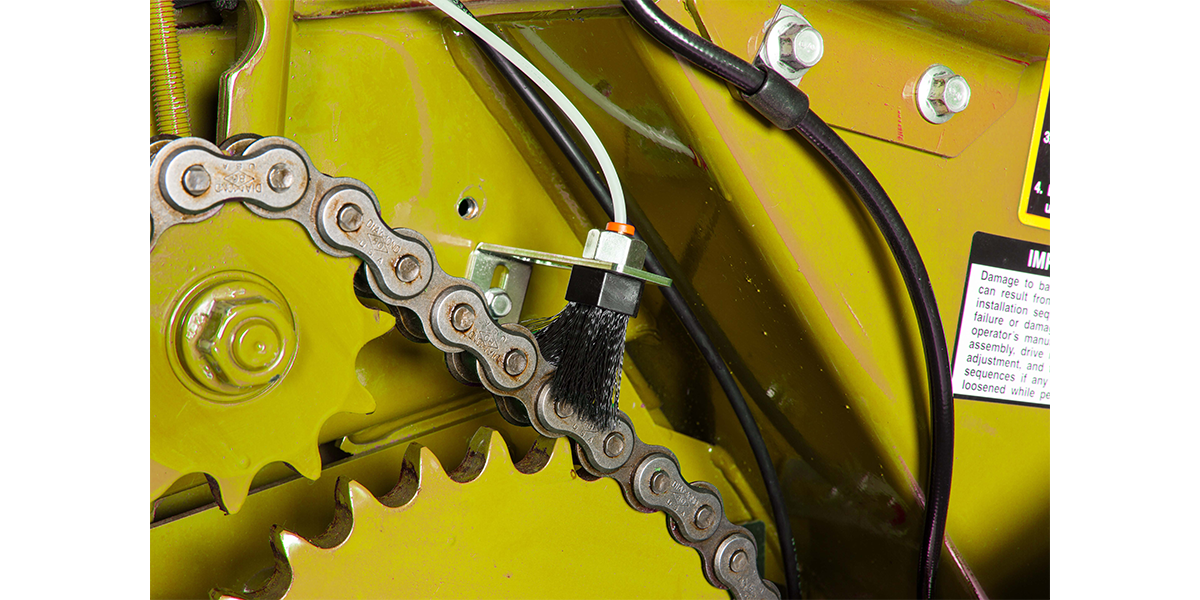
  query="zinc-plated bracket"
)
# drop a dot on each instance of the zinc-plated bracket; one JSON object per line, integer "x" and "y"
{"x": 562, "y": 261}
{"x": 504, "y": 301}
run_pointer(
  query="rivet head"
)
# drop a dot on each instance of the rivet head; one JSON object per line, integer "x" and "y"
{"x": 349, "y": 218}
{"x": 614, "y": 444}
{"x": 563, "y": 410}
{"x": 705, "y": 516}
{"x": 196, "y": 180}
{"x": 463, "y": 317}
{"x": 515, "y": 362}
{"x": 408, "y": 268}
{"x": 659, "y": 482}
{"x": 280, "y": 177}
{"x": 739, "y": 561}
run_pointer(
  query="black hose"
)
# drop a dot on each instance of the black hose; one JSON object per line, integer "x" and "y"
{"x": 542, "y": 111}
{"x": 709, "y": 56}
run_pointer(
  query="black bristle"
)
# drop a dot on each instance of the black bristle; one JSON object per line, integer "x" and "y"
{"x": 587, "y": 345}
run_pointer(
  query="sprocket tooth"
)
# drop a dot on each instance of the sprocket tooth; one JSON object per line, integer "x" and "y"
{"x": 486, "y": 446}
{"x": 230, "y": 492}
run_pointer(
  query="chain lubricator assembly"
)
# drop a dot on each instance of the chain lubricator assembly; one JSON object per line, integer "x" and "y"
{"x": 274, "y": 178}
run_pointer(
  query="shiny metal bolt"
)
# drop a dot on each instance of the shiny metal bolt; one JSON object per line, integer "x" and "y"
{"x": 801, "y": 46}
{"x": 614, "y": 444}
{"x": 499, "y": 304}
{"x": 408, "y": 269}
{"x": 196, "y": 180}
{"x": 563, "y": 410}
{"x": 349, "y": 218}
{"x": 515, "y": 362}
{"x": 659, "y": 482}
{"x": 463, "y": 317}
{"x": 705, "y": 517}
{"x": 739, "y": 561}
{"x": 940, "y": 94}
{"x": 280, "y": 177}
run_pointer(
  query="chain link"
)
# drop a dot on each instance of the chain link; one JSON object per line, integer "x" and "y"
{"x": 189, "y": 180}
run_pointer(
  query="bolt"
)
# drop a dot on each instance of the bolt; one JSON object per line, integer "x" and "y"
{"x": 196, "y": 180}
{"x": 515, "y": 362}
{"x": 705, "y": 516}
{"x": 349, "y": 218}
{"x": 463, "y": 317}
{"x": 408, "y": 269}
{"x": 800, "y": 46}
{"x": 739, "y": 561}
{"x": 280, "y": 177}
{"x": 499, "y": 304}
{"x": 563, "y": 410}
{"x": 614, "y": 444}
{"x": 941, "y": 94}
{"x": 659, "y": 482}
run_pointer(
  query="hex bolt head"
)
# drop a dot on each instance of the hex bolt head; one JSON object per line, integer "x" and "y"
{"x": 614, "y": 444}
{"x": 463, "y": 317}
{"x": 408, "y": 268}
{"x": 349, "y": 218}
{"x": 739, "y": 561}
{"x": 280, "y": 177}
{"x": 515, "y": 362}
{"x": 563, "y": 410}
{"x": 659, "y": 482}
{"x": 801, "y": 46}
{"x": 940, "y": 94}
{"x": 196, "y": 180}
{"x": 498, "y": 301}
{"x": 705, "y": 517}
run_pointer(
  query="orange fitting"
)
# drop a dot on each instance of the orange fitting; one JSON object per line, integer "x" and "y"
{"x": 621, "y": 228}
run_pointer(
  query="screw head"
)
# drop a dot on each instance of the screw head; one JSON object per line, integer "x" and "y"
{"x": 739, "y": 561}
{"x": 463, "y": 317}
{"x": 349, "y": 218}
{"x": 801, "y": 46}
{"x": 408, "y": 268}
{"x": 498, "y": 301}
{"x": 705, "y": 517}
{"x": 659, "y": 482}
{"x": 515, "y": 362}
{"x": 614, "y": 444}
{"x": 280, "y": 177}
{"x": 196, "y": 180}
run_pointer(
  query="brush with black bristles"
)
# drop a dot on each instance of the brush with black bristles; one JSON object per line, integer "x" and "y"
{"x": 586, "y": 341}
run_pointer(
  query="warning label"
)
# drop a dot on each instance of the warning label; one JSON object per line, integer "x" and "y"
{"x": 1002, "y": 351}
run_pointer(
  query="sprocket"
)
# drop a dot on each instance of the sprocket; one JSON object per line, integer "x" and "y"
{"x": 253, "y": 339}
{"x": 527, "y": 543}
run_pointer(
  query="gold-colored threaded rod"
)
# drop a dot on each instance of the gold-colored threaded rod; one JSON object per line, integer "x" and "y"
{"x": 166, "y": 72}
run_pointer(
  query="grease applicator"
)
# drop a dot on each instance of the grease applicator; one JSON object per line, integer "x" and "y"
{"x": 586, "y": 340}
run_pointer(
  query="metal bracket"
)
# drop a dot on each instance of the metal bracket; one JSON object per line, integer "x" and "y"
{"x": 504, "y": 301}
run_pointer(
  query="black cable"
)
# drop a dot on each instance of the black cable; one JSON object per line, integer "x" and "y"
{"x": 696, "y": 331}
{"x": 788, "y": 107}
{"x": 929, "y": 321}
{"x": 695, "y": 49}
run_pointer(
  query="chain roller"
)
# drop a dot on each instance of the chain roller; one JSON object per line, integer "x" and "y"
{"x": 191, "y": 178}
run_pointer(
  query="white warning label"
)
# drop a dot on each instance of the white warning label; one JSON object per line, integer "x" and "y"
{"x": 1002, "y": 351}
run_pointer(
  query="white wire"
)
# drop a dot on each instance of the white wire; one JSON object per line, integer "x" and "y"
{"x": 662, "y": 138}
{"x": 589, "y": 135}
